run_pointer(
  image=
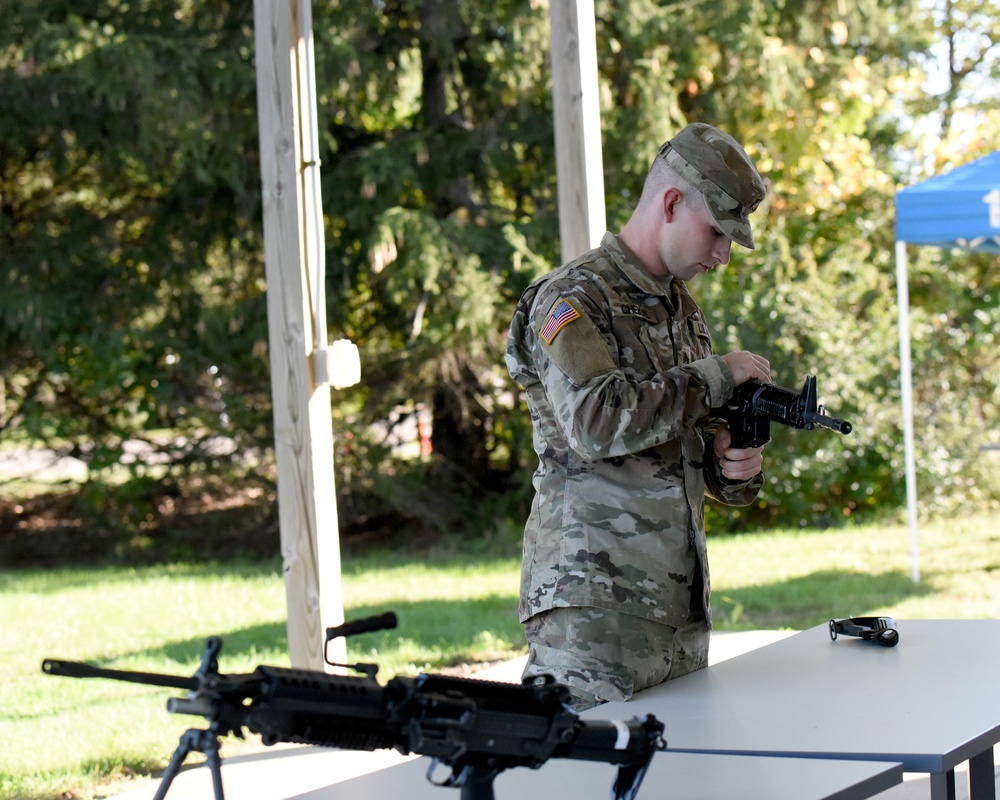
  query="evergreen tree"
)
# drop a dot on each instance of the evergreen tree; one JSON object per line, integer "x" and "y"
{"x": 134, "y": 294}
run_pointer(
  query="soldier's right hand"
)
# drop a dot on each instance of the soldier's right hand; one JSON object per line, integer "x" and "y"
{"x": 746, "y": 365}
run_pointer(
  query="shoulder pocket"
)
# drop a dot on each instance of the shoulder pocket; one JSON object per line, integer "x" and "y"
{"x": 579, "y": 350}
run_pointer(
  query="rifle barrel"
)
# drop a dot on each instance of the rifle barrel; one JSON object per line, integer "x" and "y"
{"x": 78, "y": 669}
{"x": 834, "y": 424}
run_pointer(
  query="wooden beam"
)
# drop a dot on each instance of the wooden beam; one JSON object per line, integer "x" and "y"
{"x": 577, "y": 119}
{"x": 303, "y": 437}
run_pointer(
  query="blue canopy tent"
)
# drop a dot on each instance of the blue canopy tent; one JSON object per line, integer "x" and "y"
{"x": 960, "y": 209}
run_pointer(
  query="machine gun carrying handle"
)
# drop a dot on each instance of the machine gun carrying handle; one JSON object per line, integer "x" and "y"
{"x": 380, "y": 622}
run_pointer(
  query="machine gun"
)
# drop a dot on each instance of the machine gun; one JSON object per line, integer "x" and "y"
{"x": 755, "y": 405}
{"x": 477, "y": 728}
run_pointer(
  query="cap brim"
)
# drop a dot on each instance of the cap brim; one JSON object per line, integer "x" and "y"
{"x": 737, "y": 229}
{"x": 743, "y": 235}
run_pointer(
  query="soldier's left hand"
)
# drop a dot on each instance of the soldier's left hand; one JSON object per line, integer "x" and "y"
{"x": 737, "y": 464}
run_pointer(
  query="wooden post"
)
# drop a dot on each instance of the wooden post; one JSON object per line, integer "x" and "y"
{"x": 293, "y": 249}
{"x": 577, "y": 118}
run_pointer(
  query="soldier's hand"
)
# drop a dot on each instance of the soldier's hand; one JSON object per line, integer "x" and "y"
{"x": 746, "y": 365}
{"x": 738, "y": 464}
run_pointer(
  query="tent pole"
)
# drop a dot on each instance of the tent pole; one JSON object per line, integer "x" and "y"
{"x": 906, "y": 386}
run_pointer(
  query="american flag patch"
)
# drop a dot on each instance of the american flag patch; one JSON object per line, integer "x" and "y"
{"x": 561, "y": 316}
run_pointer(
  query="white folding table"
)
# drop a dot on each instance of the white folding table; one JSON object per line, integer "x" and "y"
{"x": 930, "y": 703}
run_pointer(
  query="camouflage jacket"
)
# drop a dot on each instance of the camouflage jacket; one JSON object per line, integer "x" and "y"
{"x": 619, "y": 374}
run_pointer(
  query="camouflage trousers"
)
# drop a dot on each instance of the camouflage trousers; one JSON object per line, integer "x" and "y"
{"x": 604, "y": 656}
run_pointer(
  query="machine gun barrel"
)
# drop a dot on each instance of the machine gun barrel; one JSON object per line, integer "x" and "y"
{"x": 79, "y": 669}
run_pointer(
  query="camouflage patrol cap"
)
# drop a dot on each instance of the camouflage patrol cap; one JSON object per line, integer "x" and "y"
{"x": 716, "y": 165}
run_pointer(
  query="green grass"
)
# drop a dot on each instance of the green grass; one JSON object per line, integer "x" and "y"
{"x": 85, "y": 738}
{"x": 795, "y": 580}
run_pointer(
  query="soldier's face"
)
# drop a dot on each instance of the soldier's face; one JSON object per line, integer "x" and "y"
{"x": 692, "y": 244}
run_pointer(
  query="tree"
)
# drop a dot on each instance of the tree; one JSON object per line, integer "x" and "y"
{"x": 804, "y": 85}
{"x": 955, "y": 309}
{"x": 963, "y": 65}
{"x": 133, "y": 299}
{"x": 441, "y": 203}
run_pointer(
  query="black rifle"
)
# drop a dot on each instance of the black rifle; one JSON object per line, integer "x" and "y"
{"x": 755, "y": 405}
{"x": 477, "y": 728}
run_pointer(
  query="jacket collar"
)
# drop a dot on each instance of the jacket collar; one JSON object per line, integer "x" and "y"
{"x": 633, "y": 269}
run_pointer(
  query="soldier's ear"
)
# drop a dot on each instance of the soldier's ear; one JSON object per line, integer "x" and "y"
{"x": 672, "y": 198}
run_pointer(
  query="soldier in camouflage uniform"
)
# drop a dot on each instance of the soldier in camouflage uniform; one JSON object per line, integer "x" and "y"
{"x": 617, "y": 365}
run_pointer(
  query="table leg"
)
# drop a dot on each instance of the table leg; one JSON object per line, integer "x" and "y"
{"x": 982, "y": 779}
{"x": 943, "y": 785}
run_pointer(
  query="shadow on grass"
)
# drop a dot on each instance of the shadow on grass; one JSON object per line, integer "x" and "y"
{"x": 427, "y": 624}
{"x": 796, "y": 604}
{"x": 471, "y": 625}
{"x": 812, "y": 599}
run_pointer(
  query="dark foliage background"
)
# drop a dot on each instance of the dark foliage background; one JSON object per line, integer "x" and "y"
{"x": 133, "y": 306}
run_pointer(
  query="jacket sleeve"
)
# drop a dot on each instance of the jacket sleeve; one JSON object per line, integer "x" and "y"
{"x": 602, "y": 408}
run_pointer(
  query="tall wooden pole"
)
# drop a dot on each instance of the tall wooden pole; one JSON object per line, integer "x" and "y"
{"x": 577, "y": 120}
{"x": 293, "y": 250}
{"x": 293, "y": 245}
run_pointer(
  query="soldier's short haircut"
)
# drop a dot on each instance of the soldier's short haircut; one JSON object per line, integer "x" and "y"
{"x": 662, "y": 176}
